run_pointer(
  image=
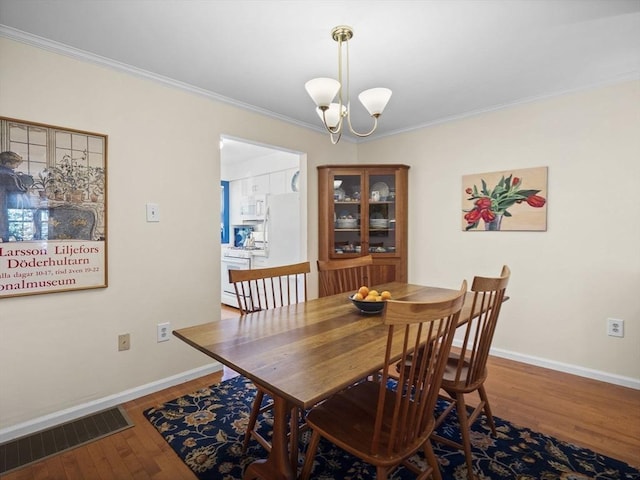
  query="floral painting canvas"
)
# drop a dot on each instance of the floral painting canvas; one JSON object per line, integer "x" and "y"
{"x": 508, "y": 200}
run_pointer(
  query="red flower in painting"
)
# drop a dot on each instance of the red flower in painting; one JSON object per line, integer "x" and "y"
{"x": 487, "y": 215}
{"x": 472, "y": 216}
{"x": 536, "y": 201}
{"x": 483, "y": 203}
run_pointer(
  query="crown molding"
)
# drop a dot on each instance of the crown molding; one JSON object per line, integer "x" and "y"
{"x": 60, "y": 48}
{"x": 78, "y": 54}
{"x": 627, "y": 77}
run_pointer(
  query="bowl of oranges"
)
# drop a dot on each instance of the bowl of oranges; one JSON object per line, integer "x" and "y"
{"x": 369, "y": 300}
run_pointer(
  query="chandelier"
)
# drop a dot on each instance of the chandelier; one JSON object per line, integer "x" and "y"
{"x": 323, "y": 91}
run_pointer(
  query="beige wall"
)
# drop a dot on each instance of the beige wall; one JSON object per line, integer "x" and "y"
{"x": 584, "y": 268}
{"x": 58, "y": 351}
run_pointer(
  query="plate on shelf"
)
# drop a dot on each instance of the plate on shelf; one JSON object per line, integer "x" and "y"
{"x": 382, "y": 188}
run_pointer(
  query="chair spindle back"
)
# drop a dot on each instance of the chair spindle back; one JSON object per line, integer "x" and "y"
{"x": 341, "y": 276}
{"x": 266, "y": 288}
{"x": 488, "y": 295}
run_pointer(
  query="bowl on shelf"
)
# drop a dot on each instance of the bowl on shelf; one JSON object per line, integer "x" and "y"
{"x": 379, "y": 223}
{"x": 347, "y": 222}
{"x": 367, "y": 307}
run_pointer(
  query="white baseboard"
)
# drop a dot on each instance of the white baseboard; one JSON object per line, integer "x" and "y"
{"x": 69, "y": 414}
{"x": 567, "y": 368}
{"x": 79, "y": 411}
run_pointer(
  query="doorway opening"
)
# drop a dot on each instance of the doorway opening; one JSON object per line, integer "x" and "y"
{"x": 263, "y": 197}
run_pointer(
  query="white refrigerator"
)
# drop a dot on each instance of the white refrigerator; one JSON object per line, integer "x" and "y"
{"x": 282, "y": 229}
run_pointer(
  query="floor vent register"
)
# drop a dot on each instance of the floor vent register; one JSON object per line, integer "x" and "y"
{"x": 37, "y": 446}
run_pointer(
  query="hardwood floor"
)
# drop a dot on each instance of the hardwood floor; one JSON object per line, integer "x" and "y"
{"x": 596, "y": 415}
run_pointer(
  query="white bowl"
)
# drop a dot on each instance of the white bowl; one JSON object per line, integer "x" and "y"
{"x": 347, "y": 222}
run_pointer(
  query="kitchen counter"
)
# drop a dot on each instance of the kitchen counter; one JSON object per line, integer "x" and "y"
{"x": 244, "y": 252}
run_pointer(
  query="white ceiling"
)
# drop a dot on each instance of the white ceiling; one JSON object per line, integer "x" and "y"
{"x": 443, "y": 59}
{"x": 235, "y": 151}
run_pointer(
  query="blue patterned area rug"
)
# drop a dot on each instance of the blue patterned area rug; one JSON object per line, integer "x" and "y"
{"x": 206, "y": 429}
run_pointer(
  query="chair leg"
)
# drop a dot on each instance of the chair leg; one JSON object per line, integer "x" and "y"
{"x": 382, "y": 473}
{"x": 432, "y": 460}
{"x": 487, "y": 409}
{"x": 465, "y": 433}
{"x": 253, "y": 418}
{"x": 310, "y": 455}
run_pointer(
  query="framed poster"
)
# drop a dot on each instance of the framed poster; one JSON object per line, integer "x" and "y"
{"x": 53, "y": 209}
{"x": 507, "y": 200}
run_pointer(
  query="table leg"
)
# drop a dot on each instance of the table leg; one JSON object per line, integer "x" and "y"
{"x": 278, "y": 465}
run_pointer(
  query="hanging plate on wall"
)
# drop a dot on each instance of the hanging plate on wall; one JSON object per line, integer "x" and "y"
{"x": 295, "y": 182}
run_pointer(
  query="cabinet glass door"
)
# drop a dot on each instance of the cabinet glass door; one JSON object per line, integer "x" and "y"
{"x": 382, "y": 214}
{"x": 347, "y": 215}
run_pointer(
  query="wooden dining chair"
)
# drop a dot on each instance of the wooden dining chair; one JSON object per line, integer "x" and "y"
{"x": 263, "y": 289}
{"x": 385, "y": 426}
{"x": 344, "y": 275}
{"x": 466, "y": 368}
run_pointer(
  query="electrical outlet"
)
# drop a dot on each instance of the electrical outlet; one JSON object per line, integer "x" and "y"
{"x": 124, "y": 342}
{"x": 615, "y": 327}
{"x": 164, "y": 330}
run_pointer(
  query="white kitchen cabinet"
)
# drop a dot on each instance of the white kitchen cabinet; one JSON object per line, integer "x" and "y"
{"x": 260, "y": 262}
{"x": 247, "y": 186}
{"x": 277, "y": 183}
{"x": 258, "y": 185}
{"x": 235, "y": 202}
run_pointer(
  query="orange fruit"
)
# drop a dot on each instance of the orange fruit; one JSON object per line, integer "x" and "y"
{"x": 364, "y": 291}
{"x": 379, "y": 298}
{"x": 370, "y": 298}
{"x": 386, "y": 295}
{"x": 374, "y": 293}
{"x": 357, "y": 296}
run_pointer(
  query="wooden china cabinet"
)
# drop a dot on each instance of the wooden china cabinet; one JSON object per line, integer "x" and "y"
{"x": 363, "y": 209}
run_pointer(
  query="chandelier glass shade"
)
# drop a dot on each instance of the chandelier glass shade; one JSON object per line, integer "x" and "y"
{"x": 323, "y": 91}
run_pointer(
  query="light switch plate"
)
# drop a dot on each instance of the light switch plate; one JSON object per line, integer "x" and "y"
{"x": 124, "y": 342}
{"x": 153, "y": 212}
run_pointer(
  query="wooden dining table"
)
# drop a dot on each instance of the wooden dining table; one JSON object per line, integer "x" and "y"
{"x": 302, "y": 354}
